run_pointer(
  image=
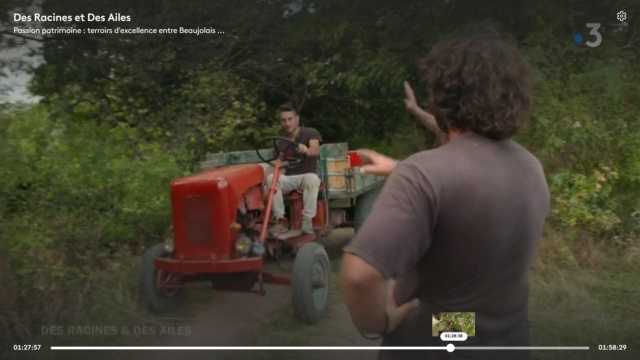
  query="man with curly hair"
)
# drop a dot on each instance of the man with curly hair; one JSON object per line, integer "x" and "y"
{"x": 455, "y": 228}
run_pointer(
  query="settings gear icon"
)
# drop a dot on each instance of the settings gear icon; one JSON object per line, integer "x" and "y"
{"x": 622, "y": 16}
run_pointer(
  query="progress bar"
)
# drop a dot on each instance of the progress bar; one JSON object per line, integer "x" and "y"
{"x": 522, "y": 348}
{"x": 449, "y": 348}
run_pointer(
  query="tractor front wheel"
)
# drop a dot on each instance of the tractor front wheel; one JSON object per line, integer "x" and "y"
{"x": 158, "y": 288}
{"x": 311, "y": 283}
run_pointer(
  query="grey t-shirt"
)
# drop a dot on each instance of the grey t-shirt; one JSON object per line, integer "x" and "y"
{"x": 458, "y": 227}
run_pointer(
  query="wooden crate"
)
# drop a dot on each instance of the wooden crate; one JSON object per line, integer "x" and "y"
{"x": 338, "y": 169}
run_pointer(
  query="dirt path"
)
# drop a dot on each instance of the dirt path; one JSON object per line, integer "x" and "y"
{"x": 240, "y": 319}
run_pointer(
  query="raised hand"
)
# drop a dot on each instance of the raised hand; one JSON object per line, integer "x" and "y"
{"x": 410, "y": 100}
{"x": 375, "y": 163}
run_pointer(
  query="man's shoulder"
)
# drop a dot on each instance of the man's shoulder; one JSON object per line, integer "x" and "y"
{"x": 455, "y": 161}
{"x": 432, "y": 159}
{"x": 469, "y": 144}
{"x": 309, "y": 130}
{"x": 310, "y": 133}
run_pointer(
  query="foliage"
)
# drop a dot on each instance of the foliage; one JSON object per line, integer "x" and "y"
{"x": 85, "y": 173}
{"x": 217, "y": 111}
{"x": 584, "y": 202}
{"x": 585, "y": 130}
{"x": 78, "y": 204}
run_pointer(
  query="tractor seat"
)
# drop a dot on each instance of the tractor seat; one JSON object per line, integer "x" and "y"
{"x": 295, "y": 194}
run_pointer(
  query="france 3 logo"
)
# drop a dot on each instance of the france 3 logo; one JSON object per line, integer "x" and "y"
{"x": 594, "y": 35}
{"x": 595, "y": 38}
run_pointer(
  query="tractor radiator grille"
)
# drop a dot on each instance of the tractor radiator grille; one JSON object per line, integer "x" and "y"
{"x": 198, "y": 214}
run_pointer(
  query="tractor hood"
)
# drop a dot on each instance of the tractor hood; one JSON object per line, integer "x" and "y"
{"x": 237, "y": 178}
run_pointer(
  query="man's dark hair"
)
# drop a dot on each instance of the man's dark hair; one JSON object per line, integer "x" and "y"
{"x": 287, "y": 107}
{"x": 479, "y": 82}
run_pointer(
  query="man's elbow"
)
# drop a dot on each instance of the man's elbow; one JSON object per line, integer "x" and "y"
{"x": 350, "y": 278}
{"x": 353, "y": 287}
{"x": 360, "y": 289}
{"x": 357, "y": 276}
{"x": 353, "y": 272}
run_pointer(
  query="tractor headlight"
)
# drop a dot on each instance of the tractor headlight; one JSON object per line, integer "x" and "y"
{"x": 243, "y": 244}
{"x": 169, "y": 244}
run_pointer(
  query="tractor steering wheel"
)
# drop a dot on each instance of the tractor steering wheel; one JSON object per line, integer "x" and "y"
{"x": 291, "y": 161}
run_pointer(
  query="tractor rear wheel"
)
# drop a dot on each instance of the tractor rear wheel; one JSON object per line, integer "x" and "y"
{"x": 363, "y": 207}
{"x": 311, "y": 283}
{"x": 157, "y": 287}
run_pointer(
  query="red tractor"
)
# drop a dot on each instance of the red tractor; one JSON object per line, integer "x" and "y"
{"x": 220, "y": 220}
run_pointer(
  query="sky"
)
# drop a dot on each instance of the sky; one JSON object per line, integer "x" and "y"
{"x": 17, "y": 82}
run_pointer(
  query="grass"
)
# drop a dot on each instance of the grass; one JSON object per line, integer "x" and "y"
{"x": 585, "y": 308}
{"x": 115, "y": 307}
{"x": 570, "y": 305}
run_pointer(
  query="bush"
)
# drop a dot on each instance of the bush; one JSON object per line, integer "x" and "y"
{"x": 584, "y": 202}
{"x": 80, "y": 201}
{"x": 586, "y": 132}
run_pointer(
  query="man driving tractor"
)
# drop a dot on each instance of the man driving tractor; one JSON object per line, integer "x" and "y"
{"x": 303, "y": 176}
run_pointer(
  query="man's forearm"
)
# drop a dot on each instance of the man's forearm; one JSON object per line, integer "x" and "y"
{"x": 426, "y": 119}
{"x": 429, "y": 121}
{"x": 366, "y": 304}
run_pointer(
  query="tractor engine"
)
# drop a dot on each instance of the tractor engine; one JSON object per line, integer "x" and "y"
{"x": 248, "y": 236}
